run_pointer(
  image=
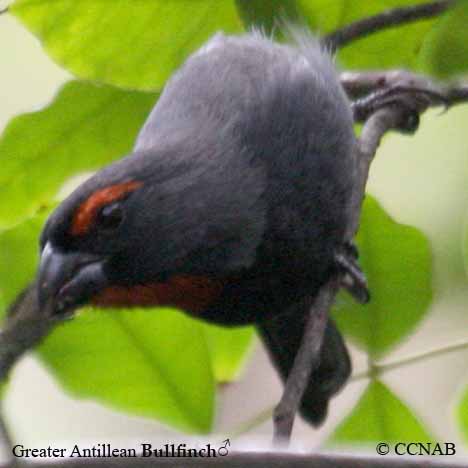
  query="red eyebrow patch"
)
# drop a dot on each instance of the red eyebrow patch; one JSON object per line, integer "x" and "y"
{"x": 86, "y": 213}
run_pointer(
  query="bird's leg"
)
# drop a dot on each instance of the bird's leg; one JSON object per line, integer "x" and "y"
{"x": 306, "y": 360}
{"x": 353, "y": 279}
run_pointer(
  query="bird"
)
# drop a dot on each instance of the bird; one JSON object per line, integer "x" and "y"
{"x": 232, "y": 205}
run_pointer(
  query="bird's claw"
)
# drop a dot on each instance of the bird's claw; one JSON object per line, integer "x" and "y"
{"x": 353, "y": 279}
{"x": 412, "y": 99}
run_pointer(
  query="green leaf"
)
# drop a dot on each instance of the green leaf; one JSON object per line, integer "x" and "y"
{"x": 462, "y": 414}
{"x": 19, "y": 249}
{"x": 229, "y": 348}
{"x": 84, "y": 127}
{"x": 465, "y": 245}
{"x": 379, "y": 416}
{"x": 127, "y": 43}
{"x": 325, "y": 16}
{"x": 445, "y": 51}
{"x": 267, "y": 14}
{"x": 132, "y": 360}
{"x": 397, "y": 262}
{"x": 394, "y": 47}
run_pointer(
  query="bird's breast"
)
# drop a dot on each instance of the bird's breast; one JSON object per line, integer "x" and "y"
{"x": 189, "y": 293}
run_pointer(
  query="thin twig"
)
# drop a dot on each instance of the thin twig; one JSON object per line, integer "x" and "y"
{"x": 384, "y": 20}
{"x": 305, "y": 362}
{"x": 449, "y": 349}
{"x": 379, "y": 369}
{"x": 4, "y": 10}
{"x": 376, "y": 369}
{"x": 253, "y": 422}
{"x": 246, "y": 426}
{"x": 24, "y": 327}
{"x": 361, "y": 83}
{"x": 457, "y": 94}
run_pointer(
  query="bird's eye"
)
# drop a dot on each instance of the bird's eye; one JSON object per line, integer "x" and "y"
{"x": 110, "y": 217}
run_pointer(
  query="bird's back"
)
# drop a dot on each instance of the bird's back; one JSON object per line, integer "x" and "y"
{"x": 275, "y": 113}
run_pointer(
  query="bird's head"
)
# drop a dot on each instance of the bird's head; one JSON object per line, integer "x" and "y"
{"x": 85, "y": 237}
{"x": 109, "y": 243}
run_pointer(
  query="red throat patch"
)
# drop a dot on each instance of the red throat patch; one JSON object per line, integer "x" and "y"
{"x": 86, "y": 213}
{"x": 190, "y": 293}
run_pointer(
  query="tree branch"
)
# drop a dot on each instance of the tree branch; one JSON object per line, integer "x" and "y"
{"x": 306, "y": 360}
{"x": 359, "y": 84}
{"x": 254, "y": 460}
{"x": 384, "y": 20}
{"x": 25, "y": 326}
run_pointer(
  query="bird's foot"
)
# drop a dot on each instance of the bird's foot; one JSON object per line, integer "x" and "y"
{"x": 354, "y": 280}
{"x": 412, "y": 98}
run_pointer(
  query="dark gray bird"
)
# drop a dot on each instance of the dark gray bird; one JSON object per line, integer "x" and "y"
{"x": 232, "y": 205}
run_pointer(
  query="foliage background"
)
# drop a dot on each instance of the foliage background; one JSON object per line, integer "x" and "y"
{"x": 418, "y": 277}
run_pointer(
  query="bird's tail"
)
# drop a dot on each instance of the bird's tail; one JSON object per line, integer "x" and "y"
{"x": 282, "y": 336}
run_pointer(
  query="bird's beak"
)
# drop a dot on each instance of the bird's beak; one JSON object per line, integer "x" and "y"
{"x": 69, "y": 279}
